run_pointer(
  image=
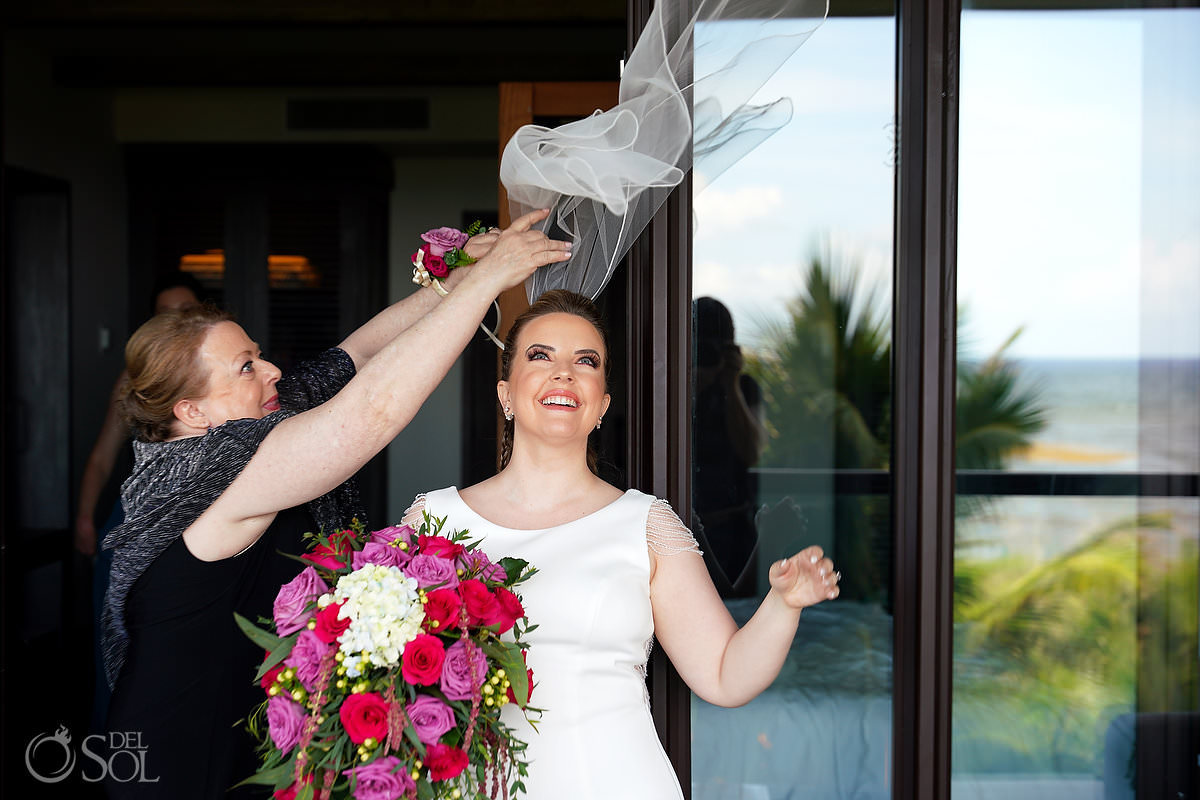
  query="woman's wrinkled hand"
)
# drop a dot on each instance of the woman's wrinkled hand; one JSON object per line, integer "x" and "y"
{"x": 518, "y": 251}
{"x": 481, "y": 244}
{"x": 805, "y": 579}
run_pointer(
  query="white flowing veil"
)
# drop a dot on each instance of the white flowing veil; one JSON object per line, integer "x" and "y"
{"x": 684, "y": 102}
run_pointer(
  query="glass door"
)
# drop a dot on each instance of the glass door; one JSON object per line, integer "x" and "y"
{"x": 1078, "y": 406}
{"x": 791, "y": 425}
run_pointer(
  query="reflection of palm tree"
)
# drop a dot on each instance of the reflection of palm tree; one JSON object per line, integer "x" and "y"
{"x": 825, "y": 372}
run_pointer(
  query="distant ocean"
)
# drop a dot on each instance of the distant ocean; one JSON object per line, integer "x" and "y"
{"x": 1101, "y": 416}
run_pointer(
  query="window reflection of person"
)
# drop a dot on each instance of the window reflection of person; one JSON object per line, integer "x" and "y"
{"x": 727, "y": 441}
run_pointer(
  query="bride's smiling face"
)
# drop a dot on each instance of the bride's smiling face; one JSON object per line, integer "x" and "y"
{"x": 556, "y": 381}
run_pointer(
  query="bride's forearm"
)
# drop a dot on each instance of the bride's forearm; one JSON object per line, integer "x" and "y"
{"x": 755, "y": 654}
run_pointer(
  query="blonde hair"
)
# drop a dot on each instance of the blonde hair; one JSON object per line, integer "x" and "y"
{"x": 162, "y": 359}
{"x": 555, "y": 301}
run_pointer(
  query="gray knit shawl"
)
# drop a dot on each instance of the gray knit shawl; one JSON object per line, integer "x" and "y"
{"x": 173, "y": 483}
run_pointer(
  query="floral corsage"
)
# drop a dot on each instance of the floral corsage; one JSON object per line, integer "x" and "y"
{"x": 442, "y": 252}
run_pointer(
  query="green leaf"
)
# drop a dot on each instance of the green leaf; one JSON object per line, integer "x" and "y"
{"x": 270, "y": 777}
{"x": 513, "y": 567}
{"x": 278, "y": 654}
{"x": 264, "y": 639}
{"x": 424, "y": 790}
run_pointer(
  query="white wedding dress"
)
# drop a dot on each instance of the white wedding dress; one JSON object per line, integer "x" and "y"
{"x": 591, "y": 602}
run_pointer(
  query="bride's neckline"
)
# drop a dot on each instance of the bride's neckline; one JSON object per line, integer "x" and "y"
{"x": 458, "y": 496}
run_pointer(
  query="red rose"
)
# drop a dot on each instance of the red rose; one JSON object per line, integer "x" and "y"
{"x": 331, "y": 556}
{"x": 421, "y": 663}
{"x": 529, "y": 675}
{"x": 268, "y": 680}
{"x": 439, "y": 546}
{"x": 442, "y": 607}
{"x": 364, "y": 716}
{"x": 436, "y": 266}
{"x": 444, "y": 762}
{"x": 329, "y": 625}
{"x": 482, "y": 607}
{"x": 509, "y": 609}
{"x": 290, "y": 792}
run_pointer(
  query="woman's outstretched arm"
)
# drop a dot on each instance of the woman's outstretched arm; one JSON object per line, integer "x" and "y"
{"x": 725, "y": 665}
{"x": 311, "y": 453}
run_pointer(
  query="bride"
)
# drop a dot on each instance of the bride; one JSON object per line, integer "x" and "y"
{"x": 616, "y": 569}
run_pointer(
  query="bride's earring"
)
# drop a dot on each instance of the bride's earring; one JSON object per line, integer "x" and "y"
{"x": 508, "y": 415}
{"x": 598, "y": 421}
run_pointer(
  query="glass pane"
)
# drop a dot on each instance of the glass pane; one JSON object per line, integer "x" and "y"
{"x": 791, "y": 415}
{"x": 1078, "y": 424}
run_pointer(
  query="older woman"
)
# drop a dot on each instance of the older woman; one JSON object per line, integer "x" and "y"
{"x": 233, "y": 463}
{"x": 614, "y": 570}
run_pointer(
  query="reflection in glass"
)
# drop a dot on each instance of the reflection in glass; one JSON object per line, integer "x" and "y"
{"x": 791, "y": 418}
{"x": 1076, "y": 637}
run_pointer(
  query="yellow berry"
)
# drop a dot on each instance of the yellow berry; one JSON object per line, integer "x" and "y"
{"x": 487, "y": 688}
{"x": 495, "y": 681}
{"x": 505, "y": 685}
{"x": 434, "y": 623}
{"x": 424, "y": 599}
{"x": 416, "y": 775}
{"x": 274, "y": 690}
{"x": 455, "y": 794}
{"x": 298, "y": 695}
{"x": 417, "y": 764}
{"x": 339, "y": 656}
{"x": 460, "y": 572}
{"x": 487, "y": 701}
{"x": 288, "y": 674}
{"x": 404, "y": 545}
{"x": 321, "y": 721}
{"x": 501, "y": 672}
{"x": 341, "y": 670}
{"x": 370, "y": 742}
{"x": 341, "y": 684}
{"x": 312, "y": 624}
{"x": 364, "y": 757}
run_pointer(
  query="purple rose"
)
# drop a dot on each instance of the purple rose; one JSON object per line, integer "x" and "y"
{"x": 442, "y": 239}
{"x": 393, "y": 533}
{"x": 383, "y": 554}
{"x": 285, "y": 722}
{"x": 430, "y": 718}
{"x": 306, "y": 657}
{"x": 293, "y": 604}
{"x": 477, "y": 561}
{"x": 431, "y": 571}
{"x": 460, "y": 661}
{"x": 383, "y": 779}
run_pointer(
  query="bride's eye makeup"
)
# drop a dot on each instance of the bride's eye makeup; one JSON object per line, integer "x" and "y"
{"x": 537, "y": 353}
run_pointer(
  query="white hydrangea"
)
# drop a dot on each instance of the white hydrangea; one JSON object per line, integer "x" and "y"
{"x": 385, "y": 613}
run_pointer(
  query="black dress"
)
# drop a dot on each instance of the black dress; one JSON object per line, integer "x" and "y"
{"x": 182, "y": 671}
{"x": 187, "y": 684}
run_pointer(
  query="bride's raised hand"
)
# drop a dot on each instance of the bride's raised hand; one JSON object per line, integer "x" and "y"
{"x": 805, "y": 579}
{"x": 519, "y": 250}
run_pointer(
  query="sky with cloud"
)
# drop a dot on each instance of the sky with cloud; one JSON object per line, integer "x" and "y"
{"x": 1079, "y": 213}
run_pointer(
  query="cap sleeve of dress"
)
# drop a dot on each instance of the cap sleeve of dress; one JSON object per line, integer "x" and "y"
{"x": 666, "y": 534}
{"x": 413, "y": 517}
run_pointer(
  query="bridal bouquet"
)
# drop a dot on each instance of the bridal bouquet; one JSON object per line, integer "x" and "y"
{"x": 386, "y": 670}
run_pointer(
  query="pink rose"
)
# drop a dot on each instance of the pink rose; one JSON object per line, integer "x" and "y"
{"x": 383, "y": 779}
{"x": 393, "y": 533}
{"x": 285, "y": 722}
{"x": 329, "y": 624}
{"x": 421, "y": 662}
{"x": 509, "y": 609}
{"x": 439, "y": 546}
{"x": 482, "y": 607}
{"x": 306, "y": 657}
{"x": 293, "y": 604}
{"x": 430, "y": 718}
{"x": 378, "y": 553}
{"x": 476, "y": 561}
{"x": 445, "y": 762}
{"x": 442, "y": 239}
{"x": 461, "y": 661}
{"x": 432, "y": 571}
{"x": 441, "y": 607}
{"x": 364, "y": 716}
